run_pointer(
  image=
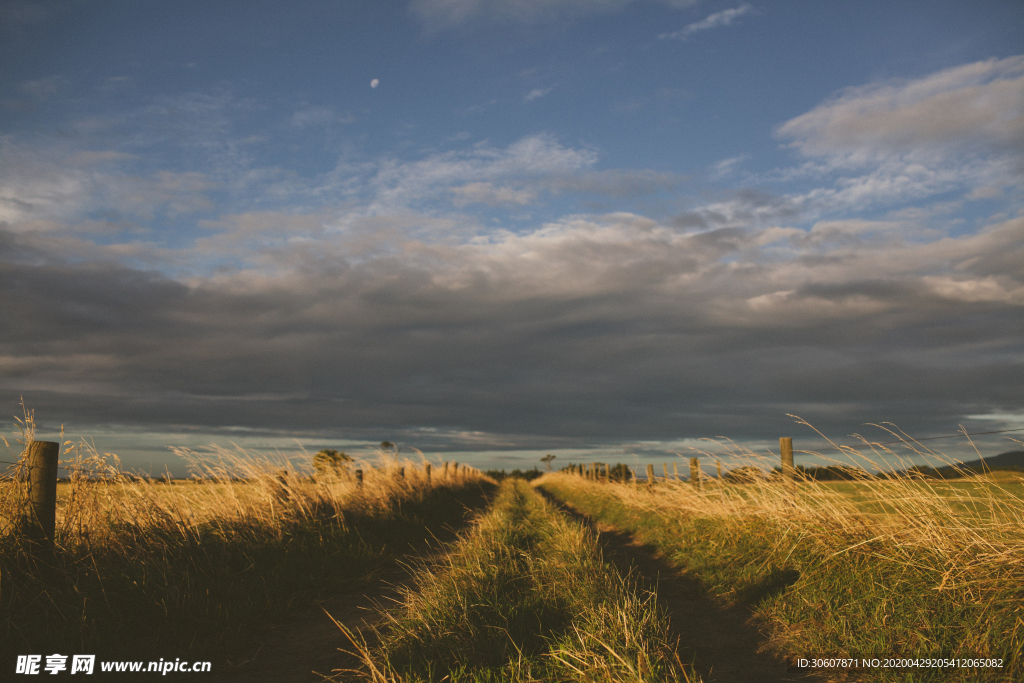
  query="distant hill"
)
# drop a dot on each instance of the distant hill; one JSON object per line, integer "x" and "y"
{"x": 1010, "y": 460}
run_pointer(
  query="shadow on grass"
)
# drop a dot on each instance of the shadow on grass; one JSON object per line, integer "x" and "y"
{"x": 724, "y": 643}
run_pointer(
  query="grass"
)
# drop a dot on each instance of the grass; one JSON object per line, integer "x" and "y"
{"x": 194, "y": 567}
{"x": 525, "y": 596}
{"x": 881, "y": 568}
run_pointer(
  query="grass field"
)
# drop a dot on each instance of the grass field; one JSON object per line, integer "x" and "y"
{"x": 879, "y": 567}
{"x": 145, "y": 568}
{"x": 886, "y": 569}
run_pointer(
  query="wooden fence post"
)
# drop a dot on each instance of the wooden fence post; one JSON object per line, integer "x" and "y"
{"x": 42, "y": 489}
{"x": 786, "y": 448}
{"x": 426, "y": 472}
{"x": 401, "y": 473}
{"x": 607, "y": 474}
{"x": 650, "y": 476}
{"x": 359, "y": 478}
{"x": 675, "y": 470}
{"x": 664, "y": 466}
{"x": 695, "y": 472}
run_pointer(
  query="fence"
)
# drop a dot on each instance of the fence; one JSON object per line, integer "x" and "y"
{"x": 788, "y": 469}
{"x": 41, "y": 463}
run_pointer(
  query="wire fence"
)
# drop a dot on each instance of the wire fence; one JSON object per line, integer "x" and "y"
{"x": 910, "y": 439}
{"x": 837, "y": 448}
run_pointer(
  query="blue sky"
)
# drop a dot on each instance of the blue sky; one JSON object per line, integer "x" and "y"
{"x": 601, "y": 229}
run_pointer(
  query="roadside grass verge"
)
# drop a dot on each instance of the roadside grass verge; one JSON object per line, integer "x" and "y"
{"x": 192, "y": 568}
{"x": 524, "y": 596}
{"x": 923, "y": 576}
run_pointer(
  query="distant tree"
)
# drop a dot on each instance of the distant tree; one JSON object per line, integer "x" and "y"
{"x": 620, "y": 472}
{"x": 547, "y": 460}
{"x": 514, "y": 474}
{"x": 744, "y": 475}
{"x": 330, "y": 461}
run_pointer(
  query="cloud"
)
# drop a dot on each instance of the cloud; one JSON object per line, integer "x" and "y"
{"x": 318, "y": 116}
{"x": 957, "y": 130}
{"x": 486, "y": 193}
{"x": 723, "y": 18}
{"x": 726, "y": 167}
{"x": 974, "y": 104}
{"x": 43, "y": 88}
{"x": 369, "y": 298}
{"x": 536, "y": 93}
{"x": 587, "y": 327}
{"x": 438, "y": 14}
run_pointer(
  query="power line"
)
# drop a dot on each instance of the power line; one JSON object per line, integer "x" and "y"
{"x": 929, "y": 438}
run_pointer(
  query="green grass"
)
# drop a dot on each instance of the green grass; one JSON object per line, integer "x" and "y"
{"x": 526, "y": 596}
{"x": 927, "y": 579}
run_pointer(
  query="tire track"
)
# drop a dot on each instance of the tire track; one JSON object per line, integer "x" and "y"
{"x": 725, "y": 644}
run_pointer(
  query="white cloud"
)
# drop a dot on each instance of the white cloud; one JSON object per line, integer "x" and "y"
{"x": 486, "y": 193}
{"x": 975, "y": 103}
{"x": 44, "y": 88}
{"x": 438, "y": 14}
{"x": 536, "y": 93}
{"x": 726, "y": 166}
{"x": 723, "y": 18}
{"x": 957, "y": 130}
{"x": 318, "y": 116}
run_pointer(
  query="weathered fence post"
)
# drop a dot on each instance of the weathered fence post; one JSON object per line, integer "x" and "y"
{"x": 665, "y": 467}
{"x": 695, "y": 472}
{"x": 401, "y": 473}
{"x": 359, "y": 478}
{"x": 650, "y": 476}
{"x": 426, "y": 472}
{"x": 786, "y": 448}
{"x": 675, "y": 470}
{"x": 607, "y": 474}
{"x": 42, "y": 489}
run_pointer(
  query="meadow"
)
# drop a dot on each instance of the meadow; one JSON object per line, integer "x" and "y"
{"x": 145, "y": 567}
{"x": 883, "y": 568}
{"x": 523, "y": 588}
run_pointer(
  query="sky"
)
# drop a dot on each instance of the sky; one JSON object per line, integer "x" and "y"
{"x": 602, "y": 229}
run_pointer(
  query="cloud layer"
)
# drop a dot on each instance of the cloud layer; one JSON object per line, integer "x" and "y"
{"x": 411, "y": 293}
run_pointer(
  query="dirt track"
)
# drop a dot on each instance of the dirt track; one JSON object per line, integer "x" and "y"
{"x": 725, "y": 645}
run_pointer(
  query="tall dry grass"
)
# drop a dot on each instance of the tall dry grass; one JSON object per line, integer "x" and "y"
{"x": 145, "y": 565}
{"x": 895, "y": 566}
{"x": 524, "y": 596}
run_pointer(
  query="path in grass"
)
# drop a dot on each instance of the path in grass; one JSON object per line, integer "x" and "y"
{"x": 525, "y": 596}
{"x": 724, "y": 644}
{"x": 930, "y": 581}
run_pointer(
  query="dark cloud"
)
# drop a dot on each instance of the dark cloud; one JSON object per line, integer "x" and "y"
{"x": 617, "y": 330}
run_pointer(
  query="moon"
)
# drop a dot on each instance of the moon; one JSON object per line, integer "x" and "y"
{"x": 374, "y": 83}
